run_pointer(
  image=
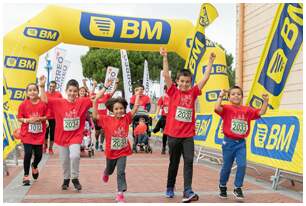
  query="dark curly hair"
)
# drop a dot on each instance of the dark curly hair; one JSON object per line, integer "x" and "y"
{"x": 110, "y": 103}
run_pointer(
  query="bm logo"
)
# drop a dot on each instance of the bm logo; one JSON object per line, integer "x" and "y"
{"x": 17, "y": 94}
{"x": 275, "y": 137}
{"x": 20, "y": 63}
{"x": 99, "y": 27}
{"x": 41, "y": 33}
{"x": 203, "y": 124}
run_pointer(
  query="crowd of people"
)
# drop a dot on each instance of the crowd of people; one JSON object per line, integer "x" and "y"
{"x": 45, "y": 115}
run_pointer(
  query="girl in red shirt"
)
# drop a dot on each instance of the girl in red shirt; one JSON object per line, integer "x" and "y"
{"x": 32, "y": 113}
{"x": 117, "y": 145}
{"x": 70, "y": 116}
{"x": 236, "y": 127}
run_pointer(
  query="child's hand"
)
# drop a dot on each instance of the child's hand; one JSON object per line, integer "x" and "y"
{"x": 92, "y": 98}
{"x": 163, "y": 52}
{"x": 108, "y": 83}
{"x": 84, "y": 80}
{"x": 223, "y": 93}
{"x": 42, "y": 81}
{"x": 94, "y": 83}
{"x": 265, "y": 97}
{"x": 117, "y": 81}
{"x": 212, "y": 57}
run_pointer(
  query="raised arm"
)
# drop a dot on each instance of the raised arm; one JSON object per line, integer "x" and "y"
{"x": 264, "y": 106}
{"x": 42, "y": 83}
{"x": 95, "y": 114}
{"x": 166, "y": 73}
{"x": 94, "y": 85}
{"x": 116, "y": 86}
{"x": 136, "y": 105}
{"x": 85, "y": 84}
{"x": 206, "y": 75}
{"x": 102, "y": 91}
{"x": 218, "y": 106}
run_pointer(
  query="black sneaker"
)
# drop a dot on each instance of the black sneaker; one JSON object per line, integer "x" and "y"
{"x": 163, "y": 150}
{"x": 223, "y": 192}
{"x": 238, "y": 193}
{"x": 65, "y": 184}
{"x": 76, "y": 184}
{"x": 189, "y": 196}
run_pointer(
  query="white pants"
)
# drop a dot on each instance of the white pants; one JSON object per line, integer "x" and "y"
{"x": 70, "y": 159}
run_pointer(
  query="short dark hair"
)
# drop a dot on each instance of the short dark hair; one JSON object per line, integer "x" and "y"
{"x": 236, "y": 87}
{"x": 110, "y": 103}
{"x": 72, "y": 82}
{"x": 53, "y": 82}
{"x": 184, "y": 72}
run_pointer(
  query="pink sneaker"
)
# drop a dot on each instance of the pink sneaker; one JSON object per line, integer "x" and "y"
{"x": 105, "y": 177}
{"x": 120, "y": 197}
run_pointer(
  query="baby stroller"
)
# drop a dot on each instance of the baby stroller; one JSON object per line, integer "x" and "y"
{"x": 87, "y": 143}
{"x": 140, "y": 147}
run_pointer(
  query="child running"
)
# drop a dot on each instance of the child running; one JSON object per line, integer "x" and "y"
{"x": 180, "y": 124}
{"x": 70, "y": 115}
{"x": 117, "y": 145}
{"x": 32, "y": 113}
{"x": 236, "y": 127}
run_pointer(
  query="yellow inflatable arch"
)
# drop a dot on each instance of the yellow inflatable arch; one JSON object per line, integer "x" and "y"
{"x": 56, "y": 24}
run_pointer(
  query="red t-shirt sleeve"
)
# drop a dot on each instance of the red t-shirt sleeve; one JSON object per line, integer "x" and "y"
{"x": 102, "y": 120}
{"x": 21, "y": 111}
{"x": 160, "y": 101}
{"x": 221, "y": 114}
{"x": 254, "y": 113}
{"x": 87, "y": 102}
{"x": 171, "y": 90}
{"x": 129, "y": 117}
{"x": 132, "y": 100}
{"x": 196, "y": 90}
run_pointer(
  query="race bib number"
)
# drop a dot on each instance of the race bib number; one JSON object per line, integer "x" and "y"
{"x": 118, "y": 143}
{"x": 35, "y": 128}
{"x": 239, "y": 126}
{"x": 71, "y": 124}
{"x": 166, "y": 110}
{"x": 101, "y": 106}
{"x": 183, "y": 114}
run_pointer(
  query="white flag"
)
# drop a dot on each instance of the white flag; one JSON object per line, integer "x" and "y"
{"x": 126, "y": 73}
{"x": 162, "y": 82}
{"x": 111, "y": 74}
{"x": 146, "y": 81}
{"x": 57, "y": 68}
{"x": 65, "y": 68}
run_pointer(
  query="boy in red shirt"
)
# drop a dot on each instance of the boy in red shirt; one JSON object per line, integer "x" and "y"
{"x": 162, "y": 104}
{"x": 32, "y": 113}
{"x": 180, "y": 126}
{"x": 70, "y": 116}
{"x": 117, "y": 145}
{"x": 52, "y": 93}
{"x": 236, "y": 127}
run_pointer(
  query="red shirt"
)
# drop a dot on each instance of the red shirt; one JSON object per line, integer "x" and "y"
{"x": 180, "y": 122}
{"x": 143, "y": 101}
{"x": 116, "y": 135}
{"x": 55, "y": 94}
{"x": 141, "y": 128}
{"x": 70, "y": 119}
{"x": 163, "y": 102}
{"x": 32, "y": 133}
{"x": 101, "y": 108}
{"x": 236, "y": 120}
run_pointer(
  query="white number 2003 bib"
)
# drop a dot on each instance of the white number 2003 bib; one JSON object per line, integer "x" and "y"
{"x": 239, "y": 126}
{"x": 183, "y": 114}
{"x": 71, "y": 124}
{"x": 118, "y": 143}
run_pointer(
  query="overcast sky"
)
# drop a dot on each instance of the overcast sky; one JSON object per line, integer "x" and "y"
{"x": 222, "y": 30}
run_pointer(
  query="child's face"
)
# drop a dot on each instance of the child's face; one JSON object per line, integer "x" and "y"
{"x": 52, "y": 87}
{"x": 118, "y": 110}
{"x": 235, "y": 96}
{"x": 72, "y": 93}
{"x": 82, "y": 92}
{"x": 140, "y": 89}
{"x": 32, "y": 92}
{"x": 184, "y": 83}
{"x": 142, "y": 120}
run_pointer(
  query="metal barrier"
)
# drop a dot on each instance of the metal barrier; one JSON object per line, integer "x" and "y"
{"x": 282, "y": 175}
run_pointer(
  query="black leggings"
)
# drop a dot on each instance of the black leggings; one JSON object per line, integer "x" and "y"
{"x": 28, "y": 150}
{"x": 51, "y": 127}
{"x": 161, "y": 123}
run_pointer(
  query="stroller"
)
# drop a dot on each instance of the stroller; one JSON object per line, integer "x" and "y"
{"x": 148, "y": 121}
{"x": 87, "y": 143}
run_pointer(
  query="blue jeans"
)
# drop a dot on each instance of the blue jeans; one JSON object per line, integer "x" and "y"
{"x": 143, "y": 138}
{"x": 231, "y": 150}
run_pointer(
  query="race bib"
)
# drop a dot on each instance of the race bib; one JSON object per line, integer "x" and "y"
{"x": 183, "y": 114}
{"x": 101, "y": 106}
{"x": 71, "y": 124}
{"x": 166, "y": 110}
{"x": 239, "y": 126}
{"x": 35, "y": 128}
{"x": 118, "y": 143}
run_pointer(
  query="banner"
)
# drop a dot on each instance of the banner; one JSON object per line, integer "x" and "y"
{"x": 281, "y": 49}
{"x": 60, "y": 68}
{"x": 126, "y": 74}
{"x": 275, "y": 140}
{"x": 146, "y": 78}
{"x": 111, "y": 74}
